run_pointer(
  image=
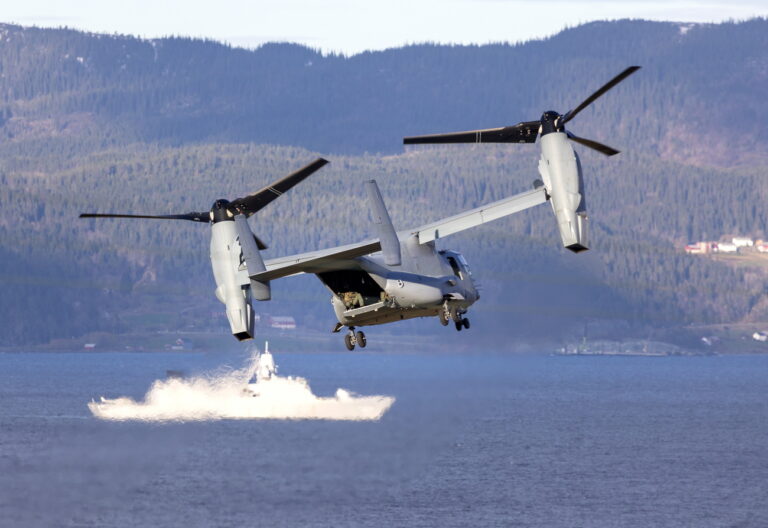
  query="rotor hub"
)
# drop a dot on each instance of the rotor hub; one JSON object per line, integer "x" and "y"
{"x": 220, "y": 211}
{"x": 551, "y": 122}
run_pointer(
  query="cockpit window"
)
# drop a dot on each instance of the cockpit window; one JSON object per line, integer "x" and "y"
{"x": 455, "y": 267}
{"x": 464, "y": 264}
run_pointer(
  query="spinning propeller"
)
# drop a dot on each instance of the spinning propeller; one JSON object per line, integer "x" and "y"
{"x": 226, "y": 210}
{"x": 528, "y": 131}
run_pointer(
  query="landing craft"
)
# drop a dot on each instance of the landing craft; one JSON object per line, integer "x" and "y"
{"x": 401, "y": 274}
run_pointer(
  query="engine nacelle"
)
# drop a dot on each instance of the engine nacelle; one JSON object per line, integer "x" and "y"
{"x": 231, "y": 289}
{"x": 560, "y": 170}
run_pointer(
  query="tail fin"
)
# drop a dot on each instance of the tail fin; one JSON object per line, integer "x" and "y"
{"x": 390, "y": 244}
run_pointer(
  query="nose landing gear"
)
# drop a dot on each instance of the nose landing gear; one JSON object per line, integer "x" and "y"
{"x": 352, "y": 339}
{"x": 447, "y": 314}
{"x": 463, "y": 323}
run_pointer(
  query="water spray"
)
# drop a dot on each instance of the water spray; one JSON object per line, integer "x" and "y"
{"x": 233, "y": 395}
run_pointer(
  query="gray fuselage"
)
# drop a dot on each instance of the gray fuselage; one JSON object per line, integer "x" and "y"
{"x": 425, "y": 282}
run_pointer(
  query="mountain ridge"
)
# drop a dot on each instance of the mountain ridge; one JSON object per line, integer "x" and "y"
{"x": 159, "y": 90}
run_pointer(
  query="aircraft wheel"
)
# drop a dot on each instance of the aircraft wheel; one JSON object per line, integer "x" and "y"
{"x": 458, "y": 326}
{"x": 348, "y": 342}
{"x": 465, "y": 322}
{"x": 361, "y": 339}
{"x": 455, "y": 315}
{"x": 443, "y": 317}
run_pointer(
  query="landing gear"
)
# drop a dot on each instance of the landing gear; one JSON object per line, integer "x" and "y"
{"x": 455, "y": 314}
{"x": 444, "y": 315}
{"x": 352, "y": 339}
{"x": 461, "y": 323}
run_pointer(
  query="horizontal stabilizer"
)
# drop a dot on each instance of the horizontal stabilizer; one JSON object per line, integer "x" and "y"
{"x": 480, "y": 215}
{"x": 390, "y": 244}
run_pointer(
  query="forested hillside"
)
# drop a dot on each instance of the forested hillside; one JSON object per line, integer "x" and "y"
{"x": 110, "y": 123}
{"x": 700, "y": 96}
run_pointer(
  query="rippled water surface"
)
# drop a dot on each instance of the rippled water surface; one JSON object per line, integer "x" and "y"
{"x": 484, "y": 440}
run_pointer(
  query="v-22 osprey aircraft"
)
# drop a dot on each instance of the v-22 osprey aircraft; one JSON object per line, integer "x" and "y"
{"x": 400, "y": 274}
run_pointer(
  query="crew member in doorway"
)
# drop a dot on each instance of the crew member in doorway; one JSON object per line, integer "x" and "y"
{"x": 352, "y": 299}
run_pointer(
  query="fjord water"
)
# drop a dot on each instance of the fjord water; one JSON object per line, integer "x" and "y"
{"x": 483, "y": 439}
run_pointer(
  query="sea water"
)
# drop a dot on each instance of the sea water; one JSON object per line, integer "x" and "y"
{"x": 483, "y": 439}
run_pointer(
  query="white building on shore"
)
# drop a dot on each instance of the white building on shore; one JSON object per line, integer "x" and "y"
{"x": 742, "y": 242}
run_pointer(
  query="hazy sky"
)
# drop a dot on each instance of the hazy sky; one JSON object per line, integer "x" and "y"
{"x": 352, "y": 26}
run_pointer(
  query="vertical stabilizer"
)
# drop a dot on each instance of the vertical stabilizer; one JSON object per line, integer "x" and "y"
{"x": 390, "y": 244}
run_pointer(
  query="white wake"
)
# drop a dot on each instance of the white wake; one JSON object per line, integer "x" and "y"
{"x": 229, "y": 395}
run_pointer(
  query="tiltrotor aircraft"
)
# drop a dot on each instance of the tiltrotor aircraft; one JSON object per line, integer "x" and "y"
{"x": 401, "y": 274}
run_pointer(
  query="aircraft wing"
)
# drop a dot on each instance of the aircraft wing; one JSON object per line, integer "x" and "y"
{"x": 340, "y": 257}
{"x": 480, "y": 215}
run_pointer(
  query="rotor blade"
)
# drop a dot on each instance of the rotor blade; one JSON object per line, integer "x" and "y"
{"x": 258, "y": 200}
{"x": 605, "y": 149}
{"x": 524, "y": 132}
{"x": 194, "y": 217}
{"x": 607, "y": 86}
